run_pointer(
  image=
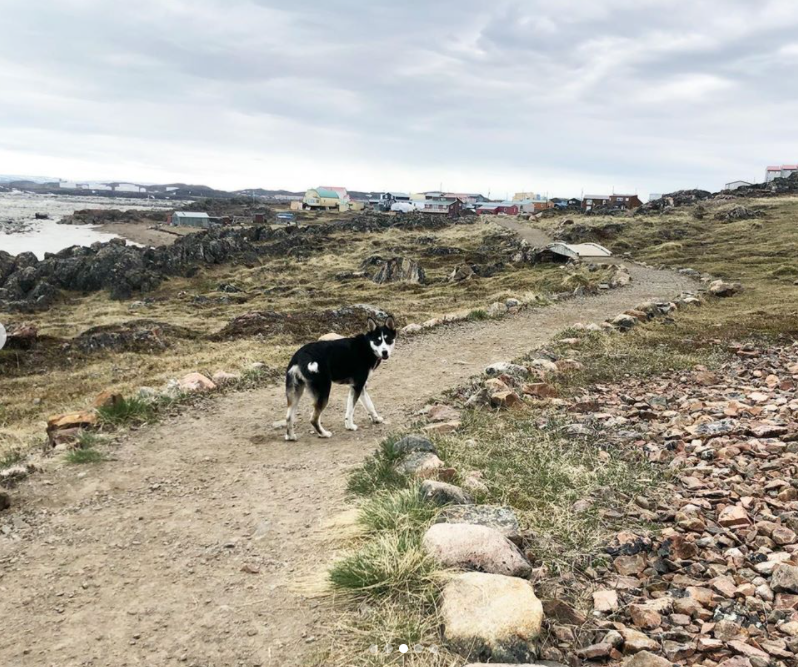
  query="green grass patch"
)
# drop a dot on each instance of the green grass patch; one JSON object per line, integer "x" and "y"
{"x": 646, "y": 351}
{"x": 127, "y": 411}
{"x": 531, "y": 464}
{"x": 399, "y": 511}
{"x": 84, "y": 456}
{"x": 478, "y": 315}
{"x": 11, "y": 457}
{"x": 388, "y": 564}
{"x": 377, "y": 472}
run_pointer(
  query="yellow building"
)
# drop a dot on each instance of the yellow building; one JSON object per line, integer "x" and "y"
{"x": 321, "y": 198}
{"x": 520, "y": 196}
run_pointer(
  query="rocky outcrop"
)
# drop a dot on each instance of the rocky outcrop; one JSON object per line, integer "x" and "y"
{"x": 400, "y": 270}
{"x": 27, "y": 284}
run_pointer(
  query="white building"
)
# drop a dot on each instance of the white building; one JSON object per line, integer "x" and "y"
{"x": 780, "y": 172}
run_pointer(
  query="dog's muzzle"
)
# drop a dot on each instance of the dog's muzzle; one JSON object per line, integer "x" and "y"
{"x": 385, "y": 354}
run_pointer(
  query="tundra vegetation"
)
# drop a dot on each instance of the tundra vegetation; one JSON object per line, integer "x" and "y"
{"x": 90, "y": 343}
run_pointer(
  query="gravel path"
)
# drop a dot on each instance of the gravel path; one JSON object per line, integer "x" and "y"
{"x": 206, "y": 540}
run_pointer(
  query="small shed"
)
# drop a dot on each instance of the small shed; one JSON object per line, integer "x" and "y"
{"x": 579, "y": 250}
{"x": 192, "y": 219}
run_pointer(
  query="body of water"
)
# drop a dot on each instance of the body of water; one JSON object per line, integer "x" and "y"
{"x": 21, "y": 232}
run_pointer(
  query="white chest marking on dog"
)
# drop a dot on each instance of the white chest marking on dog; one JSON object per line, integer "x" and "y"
{"x": 313, "y": 367}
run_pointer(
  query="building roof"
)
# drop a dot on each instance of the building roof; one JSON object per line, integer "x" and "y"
{"x": 190, "y": 214}
{"x": 497, "y": 204}
{"x": 596, "y": 196}
{"x": 623, "y": 195}
{"x": 439, "y": 202}
{"x": 576, "y": 250}
{"x": 332, "y": 193}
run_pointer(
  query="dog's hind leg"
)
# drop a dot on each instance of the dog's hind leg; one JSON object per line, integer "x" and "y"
{"x": 365, "y": 399}
{"x": 321, "y": 395}
{"x": 349, "y": 416}
{"x": 293, "y": 392}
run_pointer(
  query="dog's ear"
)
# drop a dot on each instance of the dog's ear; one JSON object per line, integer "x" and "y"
{"x": 390, "y": 324}
{"x": 372, "y": 324}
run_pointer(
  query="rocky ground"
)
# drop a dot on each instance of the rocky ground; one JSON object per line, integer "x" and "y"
{"x": 719, "y": 584}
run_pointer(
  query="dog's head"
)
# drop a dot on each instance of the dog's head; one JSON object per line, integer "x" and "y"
{"x": 382, "y": 337}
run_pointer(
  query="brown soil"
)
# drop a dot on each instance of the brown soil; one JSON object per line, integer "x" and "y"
{"x": 138, "y": 560}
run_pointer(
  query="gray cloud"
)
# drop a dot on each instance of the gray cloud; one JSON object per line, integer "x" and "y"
{"x": 650, "y": 95}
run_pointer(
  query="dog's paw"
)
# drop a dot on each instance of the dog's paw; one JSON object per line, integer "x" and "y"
{"x": 351, "y": 426}
{"x": 376, "y": 419}
{"x": 290, "y": 438}
{"x": 325, "y": 434}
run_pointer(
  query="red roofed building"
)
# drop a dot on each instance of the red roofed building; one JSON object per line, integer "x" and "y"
{"x": 780, "y": 172}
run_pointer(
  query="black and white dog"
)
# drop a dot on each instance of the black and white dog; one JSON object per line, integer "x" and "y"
{"x": 345, "y": 361}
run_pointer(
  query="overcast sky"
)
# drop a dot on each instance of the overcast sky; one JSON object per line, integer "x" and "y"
{"x": 555, "y": 96}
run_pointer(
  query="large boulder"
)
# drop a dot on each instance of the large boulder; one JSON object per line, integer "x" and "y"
{"x": 498, "y": 517}
{"x": 472, "y": 547}
{"x": 400, "y": 270}
{"x": 491, "y": 616}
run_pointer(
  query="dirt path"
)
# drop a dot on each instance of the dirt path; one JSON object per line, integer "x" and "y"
{"x": 138, "y": 561}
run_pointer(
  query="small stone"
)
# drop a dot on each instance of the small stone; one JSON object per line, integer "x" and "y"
{"x": 601, "y": 650}
{"x": 505, "y": 399}
{"x": 441, "y": 493}
{"x": 646, "y": 659}
{"x": 785, "y": 578}
{"x": 108, "y": 399}
{"x": 635, "y": 641}
{"x": 196, "y": 382}
{"x": 644, "y": 617}
{"x": 605, "y": 600}
{"x": 733, "y": 515}
{"x": 413, "y": 443}
{"x": 423, "y": 465}
{"x": 540, "y": 390}
{"x": 630, "y": 565}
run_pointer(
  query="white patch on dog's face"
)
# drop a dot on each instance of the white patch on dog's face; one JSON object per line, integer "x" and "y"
{"x": 381, "y": 347}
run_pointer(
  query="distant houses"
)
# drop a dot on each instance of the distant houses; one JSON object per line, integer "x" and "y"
{"x": 193, "y": 219}
{"x": 498, "y": 208}
{"x": 733, "y": 185}
{"x": 611, "y": 202}
{"x": 784, "y": 171}
{"x": 328, "y": 198}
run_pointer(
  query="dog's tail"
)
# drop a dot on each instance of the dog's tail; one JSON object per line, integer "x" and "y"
{"x": 299, "y": 369}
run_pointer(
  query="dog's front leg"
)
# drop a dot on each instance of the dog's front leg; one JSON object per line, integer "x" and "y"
{"x": 369, "y": 405}
{"x": 349, "y": 417}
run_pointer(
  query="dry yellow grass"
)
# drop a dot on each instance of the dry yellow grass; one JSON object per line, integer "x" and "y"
{"x": 70, "y": 380}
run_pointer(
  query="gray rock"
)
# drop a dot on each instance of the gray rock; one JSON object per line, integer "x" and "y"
{"x": 723, "y": 289}
{"x": 400, "y": 269}
{"x": 441, "y": 493}
{"x": 502, "y": 367}
{"x": 491, "y": 617}
{"x": 419, "y": 464}
{"x": 473, "y": 547}
{"x": 414, "y": 443}
{"x": 5, "y": 501}
{"x": 785, "y": 578}
{"x": 498, "y": 517}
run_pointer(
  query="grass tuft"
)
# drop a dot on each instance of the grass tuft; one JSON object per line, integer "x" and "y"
{"x": 389, "y": 563}
{"x": 83, "y": 456}
{"x": 478, "y": 315}
{"x": 377, "y": 472}
{"x": 127, "y": 411}
{"x": 399, "y": 511}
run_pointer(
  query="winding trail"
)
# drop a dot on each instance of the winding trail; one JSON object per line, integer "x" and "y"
{"x": 138, "y": 561}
